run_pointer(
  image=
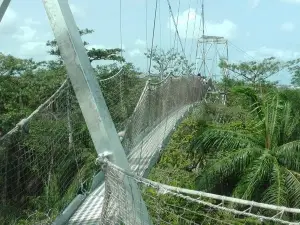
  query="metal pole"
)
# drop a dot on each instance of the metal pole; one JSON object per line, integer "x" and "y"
{"x": 227, "y": 57}
{"x": 227, "y": 72}
{"x": 3, "y": 7}
{"x": 89, "y": 95}
{"x": 203, "y": 44}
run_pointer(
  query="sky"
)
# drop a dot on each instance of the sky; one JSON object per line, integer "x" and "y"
{"x": 254, "y": 28}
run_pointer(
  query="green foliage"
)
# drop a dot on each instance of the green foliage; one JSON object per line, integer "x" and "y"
{"x": 129, "y": 85}
{"x": 292, "y": 96}
{"x": 171, "y": 167}
{"x": 255, "y": 72}
{"x": 169, "y": 62}
{"x": 179, "y": 167}
{"x": 294, "y": 69}
{"x": 93, "y": 54}
{"x": 20, "y": 95}
{"x": 41, "y": 170}
{"x": 254, "y": 160}
{"x": 248, "y": 149}
{"x": 296, "y": 78}
{"x": 12, "y": 66}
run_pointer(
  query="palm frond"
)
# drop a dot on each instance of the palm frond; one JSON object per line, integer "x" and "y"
{"x": 289, "y": 122}
{"x": 255, "y": 175}
{"x": 251, "y": 95}
{"x": 277, "y": 193}
{"x": 293, "y": 186}
{"x": 232, "y": 162}
{"x": 223, "y": 139}
{"x": 271, "y": 121}
{"x": 288, "y": 155}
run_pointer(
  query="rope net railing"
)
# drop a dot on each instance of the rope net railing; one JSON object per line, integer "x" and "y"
{"x": 159, "y": 108}
{"x": 175, "y": 205}
{"x": 157, "y": 102}
{"x": 47, "y": 159}
{"x": 122, "y": 92}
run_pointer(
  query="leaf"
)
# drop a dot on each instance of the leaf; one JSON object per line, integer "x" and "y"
{"x": 223, "y": 139}
{"x": 277, "y": 193}
{"x": 288, "y": 155}
{"x": 228, "y": 164}
{"x": 293, "y": 186}
{"x": 257, "y": 173}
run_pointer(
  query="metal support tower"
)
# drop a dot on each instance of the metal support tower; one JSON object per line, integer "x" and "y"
{"x": 210, "y": 47}
{"x": 208, "y": 69}
{"x": 214, "y": 48}
{"x": 88, "y": 93}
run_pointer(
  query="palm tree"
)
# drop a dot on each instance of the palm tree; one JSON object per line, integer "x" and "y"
{"x": 259, "y": 160}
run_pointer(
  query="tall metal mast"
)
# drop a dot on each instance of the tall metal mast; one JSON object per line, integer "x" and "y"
{"x": 210, "y": 47}
{"x": 203, "y": 45}
{"x": 214, "y": 47}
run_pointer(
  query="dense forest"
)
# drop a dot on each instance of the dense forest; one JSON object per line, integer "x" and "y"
{"x": 247, "y": 148}
{"x": 49, "y": 159}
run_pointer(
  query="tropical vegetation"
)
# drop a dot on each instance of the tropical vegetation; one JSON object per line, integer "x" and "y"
{"x": 248, "y": 148}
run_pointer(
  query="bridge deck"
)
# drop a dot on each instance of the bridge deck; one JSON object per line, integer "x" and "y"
{"x": 89, "y": 213}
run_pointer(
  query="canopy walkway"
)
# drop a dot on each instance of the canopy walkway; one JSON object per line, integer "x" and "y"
{"x": 82, "y": 157}
{"x": 158, "y": 109}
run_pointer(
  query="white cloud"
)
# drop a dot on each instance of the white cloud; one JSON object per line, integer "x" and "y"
{"x": 140, "y": 42}
{"x": 34, "y": 49}
{"x": 254, "y": 3}
{"x": 135, "y": 52}
{"x": 291, "y": 1}
{"x": 265, "y": 52}
{"x": 77, "y": 11}
{"x": 30, "y": 22}
{"x": 188, "y": 20}
{"x": 288, "y": 27}
{"x": 226, "y": 29}
{"x": 30, "y": 42}
{"x": 25, "y": 34}
{"x": 8, "y": 24}
{"x": 89, "y": 47}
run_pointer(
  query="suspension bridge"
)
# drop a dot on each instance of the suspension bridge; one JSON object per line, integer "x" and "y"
{"x": 93, "y": 146}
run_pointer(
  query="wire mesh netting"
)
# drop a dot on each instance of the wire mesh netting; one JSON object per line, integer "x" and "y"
{"x": 160, "y": 106}
{"x": 157, "y": 102}
{"x": 122, "y": 92}
{"x": 173, "y": 205}
{"x": 45, "y": 161}
{"x": 49, "y": 158}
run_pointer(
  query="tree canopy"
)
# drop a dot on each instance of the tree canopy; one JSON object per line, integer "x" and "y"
{"x": 255, "y": 72}
{"x": 94, "y": 54}
{"x": 169, "y": 62}
{"x": 247, "y": 149}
